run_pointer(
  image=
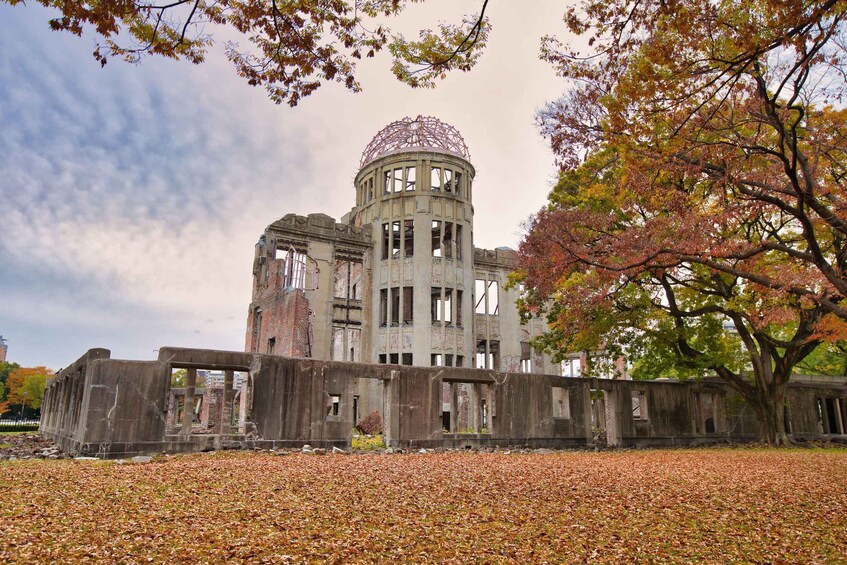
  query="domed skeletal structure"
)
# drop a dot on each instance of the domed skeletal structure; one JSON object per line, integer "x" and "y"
{"x": 423, "y": 132}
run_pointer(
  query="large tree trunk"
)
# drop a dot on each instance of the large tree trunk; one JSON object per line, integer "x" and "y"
{"x": 769, "y": 405}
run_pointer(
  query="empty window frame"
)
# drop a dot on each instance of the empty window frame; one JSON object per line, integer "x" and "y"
{"x": 447, "y": 240}
{"x": 406, "y": 358}
{"x": 395, "y": 239}
{"x": 408, "y": 305}
{"x": 459, "y": 308}
{"x": 457, "y": 183}
{"x": 410, "y": 178}
{"x": 831, "y": 415}
{"x": 448, "y": 180}
{"x": 347, "y": 278}
{"x": 395, "y": 306}
{"x": 383, "y": 307}
{"x": 436, "y": 238}
{"x": 397, "y": 185}
{"x": 639, "y": 405}
{"x": 561, "y": 403}
{"x": 437, "y": 360}
{"x": 370, "y": 189}
{"x": 487, "y": 297}
{"x": 435, "y": 179}
{"x": 396, "y": 301}
{"x": 487, "y": 354}
{"x": 386, "y": 240}
{"x": 292, "y": 268}
{"x": 271, "y": 345}
{"x": 408, "y": 238}
{"x": 458, "y": 241}
{"x": 526, "y": 357}
{"x": 393, "y": 181}
{"x": 398, "y": 235}
{"x": 442, "y": 305}
{"x": 333, "y": 407}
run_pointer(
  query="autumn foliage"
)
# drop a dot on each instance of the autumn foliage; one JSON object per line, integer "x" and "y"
{"x": 26, "y": 385}
{"x": 702, "y": 208}
{"x": 291, "y": 47}
{"x": 715, "y": 506}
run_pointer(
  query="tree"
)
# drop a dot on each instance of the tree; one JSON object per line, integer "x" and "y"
{"x": 5, "y": 369}
{"x": 745, "y": 94}
{"x": 593, "y": 249}
{"x": 294, "y": 45}
{"x": 26, "y": 386}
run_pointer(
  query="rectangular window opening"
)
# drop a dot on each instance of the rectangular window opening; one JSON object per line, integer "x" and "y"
{"x": 408, "y": 238}
{"x": 334, "y": 408}
{"x": 385, "y": 240}
{"x": 408, "y": 305}
{"x": 447, "y": 240}
{"x": 395, "y": 239}
{"x": 435, "y": 179}
{"x": 383, "y": 307}
{"x": 410, "y": 178}
{"x": 395, "y": 306}
{"x": 639, "y": 405}
{"x": 436, "y": 238}
{"x": 448, "y": 180}
{"x": 397, "y": 185}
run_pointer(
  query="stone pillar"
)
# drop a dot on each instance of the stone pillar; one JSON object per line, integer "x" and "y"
{"x": 225, "y": 424}
{"x": 587, "y": 413}
{"x": 188, "y": 406}
{"x": 613, "y": 420}
{"x": 454, "y": 408}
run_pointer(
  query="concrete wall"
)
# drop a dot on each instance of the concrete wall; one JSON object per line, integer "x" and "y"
{"x": 113, "y": 408}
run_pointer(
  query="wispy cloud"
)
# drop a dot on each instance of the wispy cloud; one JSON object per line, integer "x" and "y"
{"x": 131, "y": 197}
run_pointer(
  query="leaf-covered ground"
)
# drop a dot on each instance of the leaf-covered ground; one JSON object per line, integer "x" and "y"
{"x": 724, "y": 505}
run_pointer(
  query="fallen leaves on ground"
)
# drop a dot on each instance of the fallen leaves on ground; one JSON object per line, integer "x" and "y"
{"x": 717, "y": 505}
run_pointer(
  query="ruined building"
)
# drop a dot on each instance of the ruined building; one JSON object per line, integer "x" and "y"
{"x": 397, "y": 280}
{"x": 342, "y": 310}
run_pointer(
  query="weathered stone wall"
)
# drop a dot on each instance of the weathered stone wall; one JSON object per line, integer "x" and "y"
{"x": 111, "y": 408}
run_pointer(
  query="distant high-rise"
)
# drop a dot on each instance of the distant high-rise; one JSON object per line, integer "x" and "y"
{"x": 4, "y": 349}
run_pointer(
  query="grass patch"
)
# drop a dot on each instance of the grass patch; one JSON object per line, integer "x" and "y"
{"x": 368, "y": 443}
{"x": 697, "y": 505}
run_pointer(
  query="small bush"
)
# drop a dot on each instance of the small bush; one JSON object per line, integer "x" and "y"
{"x": 21, "y": 428}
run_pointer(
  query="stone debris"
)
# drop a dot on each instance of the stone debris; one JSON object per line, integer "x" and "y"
{"x": 28, "y": 446}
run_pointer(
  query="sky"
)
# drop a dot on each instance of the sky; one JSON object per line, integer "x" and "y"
{"x": 131, "y": 197}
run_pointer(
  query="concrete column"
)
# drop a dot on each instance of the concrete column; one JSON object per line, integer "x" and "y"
{"x": 225, "y": 422}
{"x": 188, "y": 406}
{"x": 587, "y": 412}
{"x": 390, "y": 412}
{"x": 613, "y": 423}
{"x": 476, "y": 405}
{"x": 243, "y": 404}
{"x": 454, "y": 408}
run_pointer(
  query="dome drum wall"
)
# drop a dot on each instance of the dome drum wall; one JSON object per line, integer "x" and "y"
{"x": 418, "y": 204}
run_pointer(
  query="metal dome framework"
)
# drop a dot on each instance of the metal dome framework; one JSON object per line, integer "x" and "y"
{"x": 423, "y": 132}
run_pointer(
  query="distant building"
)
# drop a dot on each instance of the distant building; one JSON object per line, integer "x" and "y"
{"x": 4, "y": 349}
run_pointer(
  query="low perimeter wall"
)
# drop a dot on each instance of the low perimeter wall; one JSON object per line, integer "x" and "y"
{"x": 106, "y": 407}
